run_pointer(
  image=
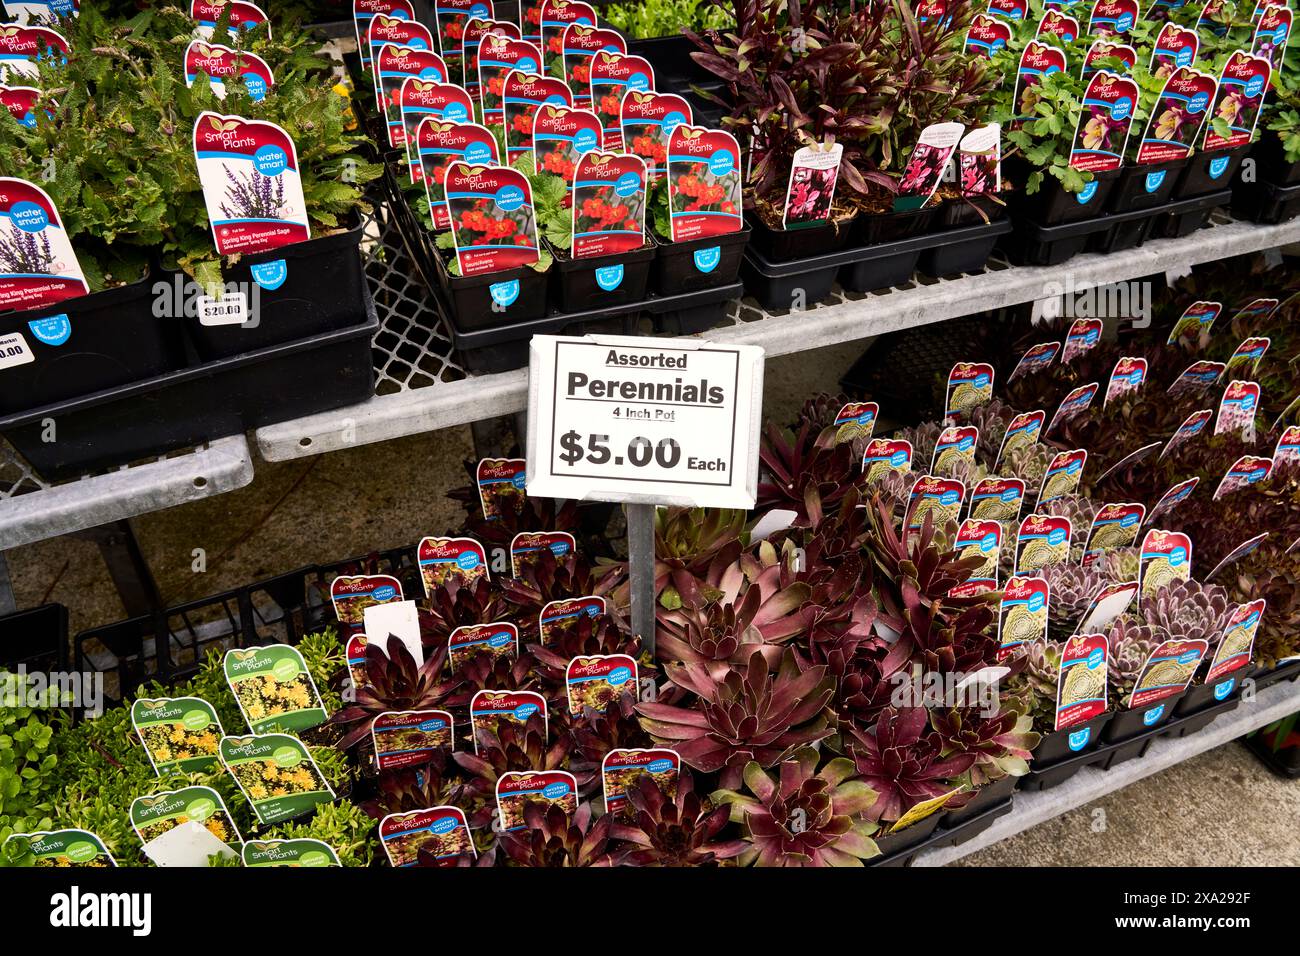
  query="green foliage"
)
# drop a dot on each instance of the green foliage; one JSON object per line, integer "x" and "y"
{"x": 661, "y": 18}
{"x": 344, "y": 826}
{"x": 28, "y": 762}
{"x": 554, "y": 218}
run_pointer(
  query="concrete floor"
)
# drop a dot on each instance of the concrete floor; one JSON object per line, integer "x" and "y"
{"x": 1219, "y": 808}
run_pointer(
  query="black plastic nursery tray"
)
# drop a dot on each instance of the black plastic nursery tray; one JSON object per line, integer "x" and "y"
{"x": 1265, "y": 203}
{"x": 1210, "y": 172}
{"x": 36, "y": 639}
{"x": 1266, "y": 678}
{"x": 941, "y": 834}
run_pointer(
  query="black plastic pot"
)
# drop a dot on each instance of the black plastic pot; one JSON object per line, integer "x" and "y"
{"x": 1141, "y": 187}
{"x": 1285, "y": 761}
{"x": 990, "y": 795}
{"x": 1037, "y": 245}
{"x": 1052, "y": 205}
{"x": 86, "y": 344}
{"x": 1210, "y": 172}
{"x": 1201, "y": 696}
{"x": 1129, "y": 749}
{"x": 783, "y": 245}
{"x": 1194, "y": 723}
{"x": 675, "y": 70}
{"x": 869, "y": 230}
{"x": 967, "y": 212}
{"x": 36, "y": 638}
{"x": 302, "y": 290}
{"x": 1051, "y": 775}
{"x": 1271, "y": 164}
{"x": 1185, "y": 216}
{"x": 1063, "y": 744}
{"x": 1266, "y": 677}
{"x": 583, "y": 284}
{"x": 779, "y": 286}
{"x": 1265, "y": 203}
{"x": 972, "y": 826}
{"x": 969, "y": 252}
{"x": 896, "y": 845}
{"x": 492, "y": 298}
{"x": 1124, "y": 231}
{"x": 697, "y": 264}
{"x": 1140, "y": 720}
{"x": 196, "y": 405}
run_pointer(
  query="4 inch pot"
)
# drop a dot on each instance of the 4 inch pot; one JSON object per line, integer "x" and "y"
{"x": 1060, "y": 744}
{"x": 893, "y": 844}
{"x": 1271, "y": 164}
{"x": 1141, "y": 187}
{"x": 1266, "y": 203}
{"x": 85, "y": 345}
{"x": 698, "y": 263}
{"x": 1140, "y": 720}
{"x": 493, "y": 299}
{"x": 601, "y": 281}
{"x": 1208, "y": 172}
{"x": 869, "y": 230}
{"x": 989, "y": 795}
{"x": 783, "y": 245}
{"x": 1201, "y": 696}
{"x": 1052, "y": 205}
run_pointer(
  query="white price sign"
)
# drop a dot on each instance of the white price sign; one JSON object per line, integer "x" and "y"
{"x": 644, "y": 420}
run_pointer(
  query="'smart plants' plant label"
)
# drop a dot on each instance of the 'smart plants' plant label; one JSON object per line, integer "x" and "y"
{"x": 352, "y": 594}
{"x": 296, "y": 853}
{"x": 273, "y": 688}
{"x": 1197, "y": 377}
{"x": 1022, "y": 613}
{"x": 1082, "y": 338}
{"x": 522, "y": 96}
{"x": 1176, "y": 118}
{"x": 1042, "y": 540}
{"x": 221, "y": 63}
{"x": 23, "y": 48}
{"x": 613, "y": 76}
{"x": 1197, "y": 320}
{"x": 1012, "y": 10}
{"x": 883, "y": 455}
{"x": 986, "y": 36}
{"x": 1102, "y": 132}
{"x": 648, "y": 121}
{"x": 557, "y": 17}
{"x": 1116, "y": 525}
{"x": 979, "y": 161}
{"x": 397, "y": 66}
{"x": 355, "y": 651}
{"x": 810, "y": 192}
{"x": 443, "y": 560}
{"x": 1113, "y": 17}
{"x": 1288, "y": 447}
{"x": 925, "y": 167}
{"x": 501, "y": 484}
{"x": 1160, "y": 10}
{"x": 970, "y": 385}
{"x": 154, "y": 815}
{"x": 598, "y": 681}
{"x": 609, "y": 208}
{"x": 578, "y": 45}
{"x": 438, "y": 144}
{"x": 406, "y": 738}
{"x": 20, "y": 101}
{"x": 1058, "y": 24}
{"x": 1244, "y": 472}
{"x": 178, "y": 733}
{"x": 561, "y": 135}
{"x": 955, "y": 444}
{"x": 940, "y": 498}
{"x": 1063, "y": 474}
{"x": 1175, "y": 47}
{"x": 1237, "y": 410}
{"x": 443, "y": 103}
{"x": 703, "y": 188}
{"x": 451, "y": 17}
{"x": 1242, "y": 85}
{"x": 1173, "y": 498}
{"x": 1036, "y": 358}
{"x": 1192, "y": 426}
{"x": 435, "y": 837}
{"x": 1168, "y": 671}
{"x": 1037, "y": 61}
{"x": 1074, "y": 404}
{"x": 489, "y": 709}
{"x": 251, "y": 184}
{"x": 527, "y": 548}
{"x": 38, "y": 11}
{"x": 492, "y": 219}
{"x": 516, "y": 789}
{"x": 1238, "y": 640}
{"x": 1247, "y": 547}
{"x": 1256, "y": 310}
{"x": 1126, "y": 378}
{"x": 64, "y": 848}
{"x": 242, "y": 16}
{"x": 855, "y": 422}
{"x": 559, "y": 617}
{"x": 1107, "y": 606}
{"x": 620, "y": 769}
{"x": 497, "y": 57}
{"x": 1108, "y": 50}
{"x": 1272, "y": 34}
{"x": 385, "y": 30}
{"x": 1081, "y": 684}
{"x": 997, "y": 499}
{"x": 37, "y": 264}
{"x": 276, "y": 774}
{"x": 979, "y": 539}
{"x": 363, "y": 11}
{"x": 1022, "y": 431}
{"x": 1212, "y": 16}
{"x": 476, "y": 28}
{"x": 1165, "y": 558}
{"x": 497, "y": 640}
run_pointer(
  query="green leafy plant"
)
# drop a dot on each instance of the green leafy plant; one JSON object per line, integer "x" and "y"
{"x": 660, "y": 18}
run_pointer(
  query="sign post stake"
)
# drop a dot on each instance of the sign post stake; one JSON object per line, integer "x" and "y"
{"x": 641, "y": 563}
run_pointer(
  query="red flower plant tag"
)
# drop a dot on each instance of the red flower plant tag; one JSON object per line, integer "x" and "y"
{"x": 703, "y": 186}
{"x": 498, "y": 55}
{"x": 561, "y": 136}
{"x": 1288, "y": 447}
{"x": 384, "y": 30}
{"x": 609, "y": 200}
{"x": 613, "y": 76}
{"x": 979, "y": 160}
{"x": 396, "y": 67}
{"x": 810, "y": 192}
{"x": 492, "y": 220}
{"x": 1081, "y": 685}
{"x": 1177, "y": 117}
{"x": 926, "y": 165}
{"x": 22, "y": 49}
{"x": 220, "y": 63}
{"x": 578, "y": 45}
{"x": 419, "y": 100}
{"x": 451, "y": 17}
{"x": 363, "y": 11}
{"x": 647, "y": 121}
{"x": 557, "y": 16}
{"x": 38, "y": 266}
{"x": 522, "y": 95}
{"x": 1103, "y": 128}
{"x": 476, "y": 28}
{"x": 439, "y": 144}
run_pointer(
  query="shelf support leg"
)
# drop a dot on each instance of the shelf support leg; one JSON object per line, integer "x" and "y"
{"x": 8, "y": 603}
{"x": 641, "y": 561}
{"x": 127, "y": 567}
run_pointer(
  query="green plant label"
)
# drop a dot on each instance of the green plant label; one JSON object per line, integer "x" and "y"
{"x": 561, "y": 137}
{"x": 501, "y": 484}
{"x": 1037, "y": 61}
{"x": 986, "y": 36}
{"x": 562, "y": 617}
{"x": 1115, "y": 526}
{"x": 58, "y": 848}
{"x": 277, "y": 774}
{"x": 437, "y": 145}
{"x": 956, "y": 444}
{"x": 883, "y": 455}
{"x": 1063, "y": 474}
{"x": 1101, "y": 134}
{"x": 219, "y": 63}
{"x": 1165, "y": 558}
{"x": 273, "y": 687}
{"x": 997, "y": 499}
{"x": 1126, "y": 378}
{"x": 363, "y": 11}
{"x": 1237, "y": 410}
{"x": 1272, "y": 34}
{"x": 1081, "y": 684}
{"x": 396, "y": 66}
{"x": 578, "y": 45}
{"x": 1113, "y": 17}
{"x": 409, "y": 737}
{"x": 498, "y": 55}
{"x": 609, "y": 207}
{"x": 940, "y": 498}
{"x": 1022, "y": 431}
{"x": 810, "y": 192}
{"x": 22, "y": 48}
{"x": 1076, "y": 403}
{"x": 1237, "y": 102}
{"x": 1238, "y": 640}
{"x": 497, "y": 640}
{"x": 242, "y": 16}
{"x": 1042, "y": 540}
{"x": 613, "y": 76}
{"x": 352, "y": 594}
{"x": 385, "y": 30}
{"x": 528, "y": 548}
{"x": 548, "y": 788}
{"x": 492, "y": 218}
{"x": 621, "y": 768}
{"x": 1167, "y": 671}
{"x": 927, "y": 165}
{"x": 599, "y": 680}
{"x": 476, "y": 28}
{"x": 1177, "y": 117}
{"x": 855, "y": 422}
{"x": 1108, "y": 50}
{"x": 557, "y": 16}
{"x": 38, "y": 266}
{"x": 1022, "y": 613}
{"x": 178, "y": 733}
{"x": 489, "y": 709}
{"x": 983, "y": 540}
{"x": 154, "y": 815}
{"x": 289, "y": 853}
{"x": 434, "y": 837}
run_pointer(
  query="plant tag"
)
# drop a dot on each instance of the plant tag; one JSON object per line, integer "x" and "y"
{"x": 1159, "y": 10}
{"x": 1245, "y": 471}
{"x": 219, "y": 63}
{"x": 955, "y": 443}
{"x": 20, "y": 101}
{"x": 1247, "y": 547}
{"x": 492, "y": 219}
{"x": 982, "y": 539}
{"x": 810, "y": 192}
{"x": 926, "y": 165}
{"x": 243, "y": 16}
{"x": 1022, "y": 431}
{"x": 38, "y": 11}
{"x": 1022, "y": 613}
{"x": 399, "y": 619}
{"x": 530, "y": 20}
{"x": 1082, "y": 338}
{"x": 405, "y": 738}
{"x": 598, "y": 681}
{"x": 442, "y": 560}
{"x": 277, "y": 775}
{"x": 452, "y": 133}
{"x": 970, "y": 385}
{"x": 1129, "y": 460}
{"x": 1211, "y": 16}
{"x": 979, "y": 161}
{"x": 187, "y": 845}
{"x": 363, "y": 11}
{"x": 498, "y": 56}
{"x": 578, "y": 44}
{"x": 154, "y": 815}
{"x": 1012, "y": 10}
{"x": 1288, "y": 447}
{"x": 450, "y": 17}
{"x": 997, "y": 499}
{"x": 178, "y": 733}
{"x": 1102, "y": 131}
{"x": 1035, "y": 359}
{"x": 1175, "y": 47}
{"x": 1081, "y": 684}
{"x": 23, "y": 47}
{"x": 356, "y": 655}
{"x": 1037, "y": 61}
{"x": 557, "y": 16}
{"x": 1074, "y": 404}
{"x": 1172, "y": 498}
{"x": 561, "y": 137}
{"x": 64, "y": 848}
{"x": 516, "y": 789}
{"x": 527, "y": 548}
{"x": 501, "y": 484}
{"x": 703, "y": 183}
{"x": 1063, "y": 475}
{"x": 384, "y": 31}
{"x": 1168, "y": 671}
{"x": 1237, "y": 410}
{"x": 476, "y": 28}
{"x": 273, "y": 688}
{"x": 1042, "y": 540}
{"x": 1104, "y": 49}
{"x": 1058, "y": 24}
{"x": 1113, "y": 17}
{"x": 1197, "y": 320}
{"x": 408, "y": 78}
{"x": 1240, "y": 95}
{"x": 647, "y": 121}
{"x": 1238, "y": 640}
{"x": 497, "y": 640}
{"x": 933, "y": 495}
{"x": 1256, "y": 310}
{"x": 557, "y": 618}
{"x": 523, "y": 95}
{"x": 305, "y": 852}
{"x": 230, "y": 308}
{"x": 609, "y": 204}
{"x": 883, "y": 455}
{"x": 1127, "y": 376}
{"x": 855, "y": 422}
{"x": 1193, "y": 425}
{"x": 1177, "y": 117}
{"x": 986, "y": 36}
{"x": 438, "y": 145}
{"x": 621, "y": 768}
{"x": 1115, "y": 526}
{"x": 1111, "y": 601}
{"x": 434, "y": 837}
{"x": 1197, "y": 377}
{"x": 1166, "y": 557}
{"x": 489, "y": 709}
{"x": 351, "y": 595}
{"x": 613, "y": 76}
{"x": 37, "y": 264}
{"x": 1272, "y": 34}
